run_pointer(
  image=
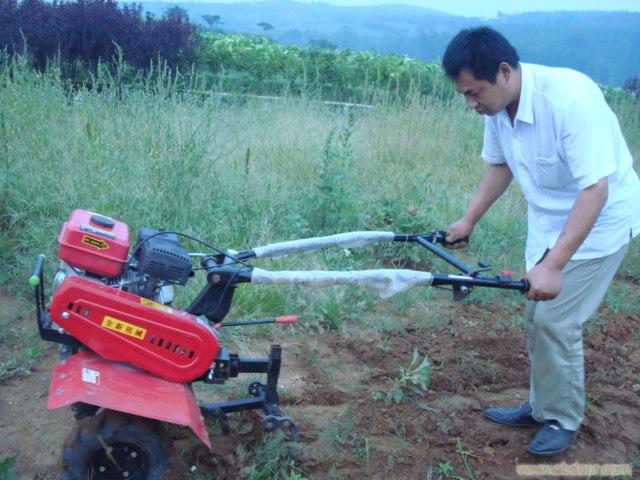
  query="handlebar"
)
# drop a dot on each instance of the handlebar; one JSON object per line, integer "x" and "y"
{"x": 501, "y": 281}
{"x": 34, "y": 279}
{"x": 223, "y": 278}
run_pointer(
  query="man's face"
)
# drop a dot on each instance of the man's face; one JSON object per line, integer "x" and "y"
{"x": 485, "y": 97}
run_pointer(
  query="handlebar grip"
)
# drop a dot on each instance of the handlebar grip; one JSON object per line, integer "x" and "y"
{"x": 440, "y": 236}
{"x": 525, "y": 285}
{"x": 289, "y": 319}
{"x": 34, "y": 279}
{"x": 463, "y": 239}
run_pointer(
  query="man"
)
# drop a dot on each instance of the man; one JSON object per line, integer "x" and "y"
{"x": 551, "y": 130}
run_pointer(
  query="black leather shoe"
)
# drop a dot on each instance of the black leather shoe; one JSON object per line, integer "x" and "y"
{"x": 551, "y": 440}
{"x": 514, "y": 417}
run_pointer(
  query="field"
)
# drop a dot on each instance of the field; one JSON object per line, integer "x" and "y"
{"x": 239, "y": 173}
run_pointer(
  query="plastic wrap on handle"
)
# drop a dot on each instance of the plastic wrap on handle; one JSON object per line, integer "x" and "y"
{"x": 386, "y": 282}
{"x": 343, "y": 240}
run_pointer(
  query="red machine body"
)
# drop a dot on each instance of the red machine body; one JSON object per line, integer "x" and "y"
{"x": 123, "y": 327}
{"x": 94, "y": 243}
{"x": 85, "y": 377}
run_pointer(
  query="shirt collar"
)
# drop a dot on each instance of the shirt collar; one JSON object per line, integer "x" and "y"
{"x": 525, "y": 105}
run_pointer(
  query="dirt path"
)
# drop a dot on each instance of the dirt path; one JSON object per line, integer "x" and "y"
{"x": 335, "y": 386}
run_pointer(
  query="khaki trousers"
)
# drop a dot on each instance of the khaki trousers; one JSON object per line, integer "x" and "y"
{"x": 555, "y": 339}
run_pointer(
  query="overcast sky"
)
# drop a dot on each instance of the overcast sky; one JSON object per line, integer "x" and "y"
{"x": 484, "y": 8}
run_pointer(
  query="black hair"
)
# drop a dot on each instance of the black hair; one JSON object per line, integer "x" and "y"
{"x": 480, "y": 50}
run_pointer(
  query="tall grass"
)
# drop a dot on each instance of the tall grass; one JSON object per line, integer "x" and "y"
{"x": 240, "y": 173}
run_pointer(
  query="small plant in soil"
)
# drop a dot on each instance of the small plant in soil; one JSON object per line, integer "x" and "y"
{"x": 271, "y": 461}
{"x": 416, "y": 377}
{"x": 464, "y": 455}
{"x": 445, "y": 470}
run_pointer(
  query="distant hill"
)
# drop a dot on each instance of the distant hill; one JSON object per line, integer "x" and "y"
{"x": 604, "y": 45}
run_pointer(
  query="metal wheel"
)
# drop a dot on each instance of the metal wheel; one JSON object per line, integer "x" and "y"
{"x": 117, "y": 446}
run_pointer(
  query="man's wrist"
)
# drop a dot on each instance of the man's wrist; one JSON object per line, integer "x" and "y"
{"x": 470, "y": 220}
{"x": 554, "y": 260}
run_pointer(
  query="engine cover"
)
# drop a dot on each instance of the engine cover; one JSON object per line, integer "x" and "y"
{"x": 95, "y": 243}
{"x": 123, "y": 327}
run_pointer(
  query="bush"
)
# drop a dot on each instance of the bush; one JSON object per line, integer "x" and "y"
{"x": 90, "y": 31}
{"x": 259, "y": 65}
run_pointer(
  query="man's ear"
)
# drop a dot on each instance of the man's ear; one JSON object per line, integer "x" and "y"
{"x": 506, "y": 70}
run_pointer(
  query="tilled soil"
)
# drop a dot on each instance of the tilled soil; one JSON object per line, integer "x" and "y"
{"x": 335, "y": 388}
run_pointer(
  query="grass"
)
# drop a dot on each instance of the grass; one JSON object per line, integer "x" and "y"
{"x": 270, "y": 460}
{"x": 19, "y": 336}
{"x": 622, "y": 299}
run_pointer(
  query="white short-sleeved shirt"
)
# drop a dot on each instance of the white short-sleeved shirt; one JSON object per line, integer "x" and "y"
{"x": 564, "y": 139}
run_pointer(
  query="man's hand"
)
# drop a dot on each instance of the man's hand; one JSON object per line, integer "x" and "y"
{"x": 545, "y": 281}
{"x": 456, "y": 231}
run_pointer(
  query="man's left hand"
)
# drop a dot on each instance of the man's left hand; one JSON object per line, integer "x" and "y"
{"x": 545, "y": 282}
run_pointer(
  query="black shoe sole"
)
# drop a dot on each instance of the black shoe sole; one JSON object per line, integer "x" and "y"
{"x": 547, "y": 454}
{"x": 509, "y": 424}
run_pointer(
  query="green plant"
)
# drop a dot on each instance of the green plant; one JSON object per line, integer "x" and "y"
{"x": 362, "y": 448}
{"x": 332, "y": 206}
{"x": 416, "y": 376}
{"x": 593, "y": 325}
{"x": 341, "y": 430}
{"x": 464, "y": 455}
{"x": 445, "y": 469}
{"x": 622, "y": 299}
{"x": 270, "y": 460}
{"x": 6, "y": 468}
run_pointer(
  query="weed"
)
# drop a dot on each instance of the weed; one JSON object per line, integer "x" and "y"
{"x": 362, "y": 449}
{"x": 400, "y": 432}
{"x": 332, "y": 205}
{"x": 593, "y": 325}
{"x": 622, "y": 299}
{"x": 402, "y": 302}
{"x": 424, "y": 407}
{"x": 464, "y": 455}
{"x": 418, "y": 374}
{"x": 634, "y": 458}
{"x": 270, "y": 460}
{"x": 443, "y": 424}
{"x": 445, "y": 470}
{"x": 33, "y": 353}
{"x": 6, "y": 468}
{"x": 340, "y": 431}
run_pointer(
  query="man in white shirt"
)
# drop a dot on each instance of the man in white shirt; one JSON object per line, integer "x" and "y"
{"x": 552, "y": 130}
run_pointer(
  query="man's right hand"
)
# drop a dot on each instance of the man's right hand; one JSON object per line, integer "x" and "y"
{"x": 458, "y": 233}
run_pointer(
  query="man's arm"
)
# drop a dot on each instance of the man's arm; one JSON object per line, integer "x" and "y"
{"x": 496, "y": 179}
{"x": 546, "y": 277}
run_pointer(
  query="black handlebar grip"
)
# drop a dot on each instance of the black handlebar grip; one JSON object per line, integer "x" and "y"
{"x": 463, "y": 239}
{"x": 525, "y": 285}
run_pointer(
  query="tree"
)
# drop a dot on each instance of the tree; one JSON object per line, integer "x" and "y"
{"x": 265, "y": 26}
{"x": 322, "y": 43}
{"x": 177, "y": 14}
{"x": 213, "y": 21}
{"x": 632, "y": 85}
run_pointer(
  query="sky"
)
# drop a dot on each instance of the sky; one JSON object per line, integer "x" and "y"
{"x": 483, "y": 8}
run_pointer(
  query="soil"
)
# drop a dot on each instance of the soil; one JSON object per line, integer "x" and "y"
{"x": 335, "y": 388}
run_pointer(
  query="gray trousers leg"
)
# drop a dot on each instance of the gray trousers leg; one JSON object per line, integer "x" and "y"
{"x": 555, "y": 339}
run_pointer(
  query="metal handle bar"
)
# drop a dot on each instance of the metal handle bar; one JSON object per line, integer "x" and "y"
{"x": 504, "y": 282}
